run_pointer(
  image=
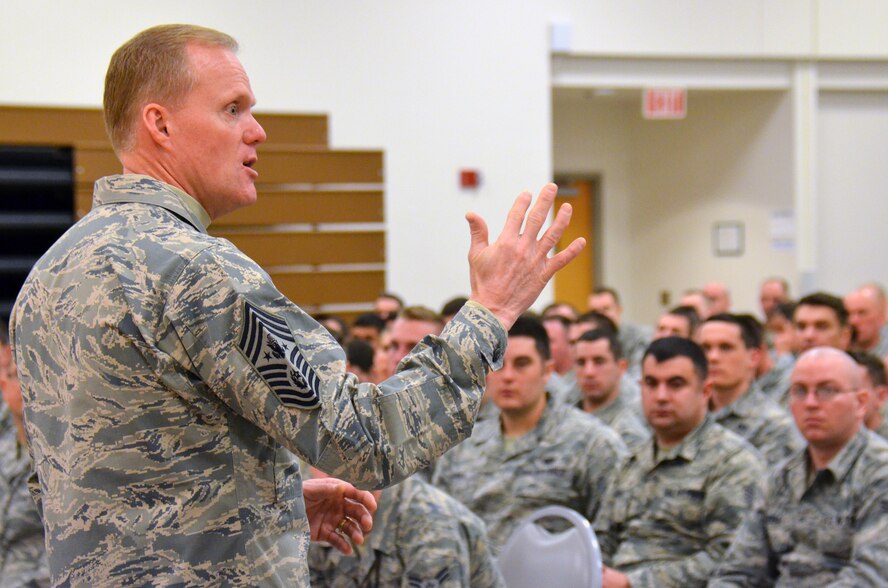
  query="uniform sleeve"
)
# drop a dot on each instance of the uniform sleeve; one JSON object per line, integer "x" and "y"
{"x": 441, "y": 546}
{"x": 748, "y": 561}
{"x": 605, "y": 525}
{"x": 734, "y": 491}
{"x": 604, "y": 457}
{"x": 869, "y": 554}
{"x": 273, "y": 365}
{"x": 780, "y": 440}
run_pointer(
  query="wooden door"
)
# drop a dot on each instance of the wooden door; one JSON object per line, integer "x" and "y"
{"x": 575, "y": 282}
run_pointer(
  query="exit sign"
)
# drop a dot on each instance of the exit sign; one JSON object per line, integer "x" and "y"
{"x": 664, "y": 103}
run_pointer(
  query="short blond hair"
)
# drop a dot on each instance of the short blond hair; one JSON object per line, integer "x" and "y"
{"x": 151, "y": 67}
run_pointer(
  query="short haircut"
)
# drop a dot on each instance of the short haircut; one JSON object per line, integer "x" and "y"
{"x": 750, "y": 329}
{"x": 421, "y": 313}
{"x": 360, "y": 354}
{"x": 152, "y": 67}
{"x": 557, "y": 318}
{"x": 690, "y": 314}
{"x": 392, "y": 296}
{"x": 875, "y": 367}
{"x": 528, "y": 325}
{"x": 453, "y": 306}
{"x": 782, "y": 281}
{"x": 607, "y": 290}
{"x": 370, "y": 319}
{"x": 827, "y": 300}
{"x": 612, "y": 340}
{"x": 547, "y": 312}
{"x": 599, "y": 320}
{"x": 786, "y": 309}
{"x": 671, "y": 347}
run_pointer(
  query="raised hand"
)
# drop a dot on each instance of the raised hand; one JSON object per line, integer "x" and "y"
{"x": 509, "y": 275}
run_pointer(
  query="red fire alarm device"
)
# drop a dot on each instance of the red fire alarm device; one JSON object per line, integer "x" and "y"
{"x": 469, "y": 178}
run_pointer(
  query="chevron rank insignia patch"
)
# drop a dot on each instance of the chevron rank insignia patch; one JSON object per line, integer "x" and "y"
{"x": 268, "y": 344}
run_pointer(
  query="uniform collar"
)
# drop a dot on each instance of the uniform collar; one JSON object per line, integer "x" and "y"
{"x": 836, "y": 470}
{"x": 845, "y": 459}
{"x": 609, "y": 411}
{"x": 747, "y": 404}
{"x": 529, "y": 440}
{"x": 687, "y": 449}
{"x": 147, "y": 190}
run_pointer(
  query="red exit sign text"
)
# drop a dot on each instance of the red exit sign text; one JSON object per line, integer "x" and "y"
{"x": 664, "y": 103}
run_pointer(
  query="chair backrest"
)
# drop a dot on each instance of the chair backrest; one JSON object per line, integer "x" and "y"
{"x": 534, "y": 557}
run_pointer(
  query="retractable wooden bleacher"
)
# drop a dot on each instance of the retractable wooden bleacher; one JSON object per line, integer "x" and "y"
{"x": 317, "y": 228}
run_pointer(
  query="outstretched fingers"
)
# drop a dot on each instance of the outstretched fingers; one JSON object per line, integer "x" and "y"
{"x": 563, "y": 257}
{"x": 540, "y": 211}
{"x": 553, "y": 234}
{"x": 479, "y": 234}
{"x": 516, "y": 215}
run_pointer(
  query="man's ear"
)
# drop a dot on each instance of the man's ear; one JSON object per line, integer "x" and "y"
{"x": 155, "y": 122}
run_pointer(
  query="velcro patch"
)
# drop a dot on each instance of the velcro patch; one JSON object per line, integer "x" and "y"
{"x": 269, "y": 345}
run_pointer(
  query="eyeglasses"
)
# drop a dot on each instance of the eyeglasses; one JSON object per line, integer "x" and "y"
{"x": 823, "y": 393}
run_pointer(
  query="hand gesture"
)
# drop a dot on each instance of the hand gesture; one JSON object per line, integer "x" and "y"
{"x": 510, "y": 274}
{"x": 337, "y": 511}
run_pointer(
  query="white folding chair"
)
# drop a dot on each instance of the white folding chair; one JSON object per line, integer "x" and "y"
{"x": 533, "y": 557}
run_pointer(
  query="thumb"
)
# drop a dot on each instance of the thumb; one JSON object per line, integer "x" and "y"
{"x": 478, "y": 230}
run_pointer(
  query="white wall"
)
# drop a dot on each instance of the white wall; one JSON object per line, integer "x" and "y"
{"x": 444, "y": 85}
{"x": 727, "y": 28}
{"x": 437, "y": 86}
{"x": 852, "y": 189}
{"x": 591, "y": 136}
{"x": 730, "y": 160}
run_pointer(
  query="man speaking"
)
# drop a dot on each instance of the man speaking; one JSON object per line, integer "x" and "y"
{"x": 169, "y": 387}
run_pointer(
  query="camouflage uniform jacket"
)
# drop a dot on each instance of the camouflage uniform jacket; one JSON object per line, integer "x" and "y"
{"x": 832, "y": 531}
{"x": 22, "y": 555}
{"x": 620, "y": 417}
{"x": 421, "y": 537}
{"x": 669, "y": 518}
{"x": 882, "y": 430}
{"x": 166, "y": 382}
{"x": 764, "y": 424}
{"x": 568, "y": 460}
{"x": 634, "y": 340}
{"x": 775, "y": 383}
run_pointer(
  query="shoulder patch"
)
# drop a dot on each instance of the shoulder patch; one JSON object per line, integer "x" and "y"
{"x": 269, "y": 345}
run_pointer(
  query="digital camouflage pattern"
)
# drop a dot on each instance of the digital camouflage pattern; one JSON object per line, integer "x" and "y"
{"x": 670, "y": 514}
{"x": 634, "y": 341}
{"x": 832, "y": 531}
{"x": 568, "y": 460}
{"x": 759, "y": 420}
{"x": 162, "y": 454}
{"x": 22, "y": 554}
{"x": 775, "y": 383}
{"x": 624, "y": 420}
{"x": 421, "y": 538}
{"x": 882, "y": 430}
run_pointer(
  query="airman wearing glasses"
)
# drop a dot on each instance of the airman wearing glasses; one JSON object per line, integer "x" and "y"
{"x": 824, "y": 519}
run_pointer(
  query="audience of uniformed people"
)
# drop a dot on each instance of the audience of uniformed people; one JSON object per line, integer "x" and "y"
{"x": 712, "y": 416}
{"x": 538, "y": 451}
